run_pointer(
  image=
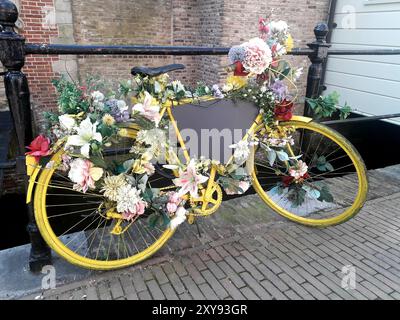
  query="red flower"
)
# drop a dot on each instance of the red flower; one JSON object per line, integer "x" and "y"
{"x": 284, "y": 110}
{"x": 39, "y": 147}
{"x": 240, "y": 70}
{"x": 287, "y": 180}
{"x": 262, "y": 25}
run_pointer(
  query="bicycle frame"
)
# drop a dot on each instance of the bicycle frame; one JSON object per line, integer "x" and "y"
{"x": 255, "y": 126}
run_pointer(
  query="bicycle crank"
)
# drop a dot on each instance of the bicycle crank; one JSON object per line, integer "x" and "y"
{"x": 209, "y": 201}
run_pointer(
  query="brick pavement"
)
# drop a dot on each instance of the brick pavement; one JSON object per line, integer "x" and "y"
{"x": 248, "y": 252}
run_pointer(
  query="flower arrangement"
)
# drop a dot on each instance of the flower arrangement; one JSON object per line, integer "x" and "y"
{"x": 91, "y": 119}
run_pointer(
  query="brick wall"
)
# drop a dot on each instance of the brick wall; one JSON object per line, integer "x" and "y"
{"x": 150, "y": 22}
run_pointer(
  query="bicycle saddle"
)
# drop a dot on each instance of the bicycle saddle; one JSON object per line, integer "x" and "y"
{"x": 154, "y": 72}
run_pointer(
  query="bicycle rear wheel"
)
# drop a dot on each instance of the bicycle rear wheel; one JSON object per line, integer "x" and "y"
{"x": 75, "y": 226}
{"x": 334, "y": 188}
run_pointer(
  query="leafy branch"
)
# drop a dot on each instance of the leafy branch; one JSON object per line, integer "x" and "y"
{"x": 326, "y": 106}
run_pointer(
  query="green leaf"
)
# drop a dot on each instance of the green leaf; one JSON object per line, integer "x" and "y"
{"x": 153, "y": 220}
{"x": 325, "y": 194}
{"x": 312, "y": 192}
{"x": 271, "y": 155}
{"x": 329, "y": 167}
{"x": 297, "y": 197}
{"x": 282, "y": 155}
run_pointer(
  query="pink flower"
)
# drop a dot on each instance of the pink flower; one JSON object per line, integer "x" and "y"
{"x": 189, "y": 180}
{"x": 149, "y": 168}
{"x": 174, "y": 197}
{"x": 258, "y": 56}
{"x": 299, "y": 171}
{"x": 39, "y": 147}
{"x": 174, "y": 200}
{"x": 139, "y": 209}
{"x": 171, "y": 207}
{"x": 84, "y": 174}
{"x": 148, "y": 110}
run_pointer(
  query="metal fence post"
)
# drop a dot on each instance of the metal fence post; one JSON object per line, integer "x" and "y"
{"x": 317, "y": 58}
{"x": 12, "y": 56}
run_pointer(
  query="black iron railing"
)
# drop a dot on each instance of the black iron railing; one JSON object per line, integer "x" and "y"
{"x": 13, "y": 50}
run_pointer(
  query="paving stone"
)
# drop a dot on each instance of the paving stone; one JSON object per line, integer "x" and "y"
{"x": 104, "y": 291}
{"x": 168, "y": 292}
{"x": 144, "y": 295}
{"x": 254, "y": 284}
{"x": 234, "y": 264}
{"x": 160, "y": 275}
{"x": 231, "y": 274}
{"x": 249, "y": 294}
{"x": 274, "y": 291}
{"x": 179, "y": 268}
{"x": 138, "y": 281}
{"x": 214, "y": 284}
{"x": 155, "y": 290}
{"x": 208, "y": 292}
{"x": 195, "y": 274}
{"x": 192, "y": 288}
{"x": 250, "y": 268}
{"x": 116, "y": 289}
{"x": 91, "y": 293}
{"x": 214, "y": 255}
{"x": 198, "y": 263}
{"x": 127, "y": 286}
{"x": 215, "y": 270}
{"x": 231, "y": 289}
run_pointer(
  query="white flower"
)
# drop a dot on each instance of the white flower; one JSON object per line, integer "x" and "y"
{"x": 86, "y": 133}
{"x": 148, "y": 109}
{"x": 297, "y": 74}
{"x": 67, "y": 122}
{"x": 97, "y": 96}
{"x": 127, "y": 198}
{"x": 242, "y": 151}
{"x": 280, "y": 49}
{"x": 278, "y": 26}
{"x": 177, "y": 86}
{"x": 299, "y": 171}
{"x": 122, "y": 106}
{"x": 189, "y": 180}
{"x": 180, "y": 217}
{"x": 111, "y": 186}
{"x": 155, "y": 139}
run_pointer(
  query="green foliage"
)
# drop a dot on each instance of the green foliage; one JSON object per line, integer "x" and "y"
{"x": 325, "y": 194}
{"x": 297, "y": 196}
{"x": 158, "y": 219}
{"x": 70, "y": 97}
{"x": 326, "y": 106}
{"x": 322, "y": 164}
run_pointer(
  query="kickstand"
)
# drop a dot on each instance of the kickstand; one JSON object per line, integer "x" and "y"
{"x": 198, "y": 228}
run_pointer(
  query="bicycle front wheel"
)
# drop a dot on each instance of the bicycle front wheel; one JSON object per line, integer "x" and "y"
{"x": 75, "y": 224}
{"x": 333, "y": 189}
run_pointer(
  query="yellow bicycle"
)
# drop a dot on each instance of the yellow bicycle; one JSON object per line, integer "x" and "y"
{"x": 83, "y": 229}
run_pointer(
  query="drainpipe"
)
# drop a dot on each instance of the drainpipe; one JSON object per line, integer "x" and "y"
{"x": 331, "y": 25}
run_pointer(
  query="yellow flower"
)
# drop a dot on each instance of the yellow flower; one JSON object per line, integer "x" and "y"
{"x": 108, "y": 120}
{"x": 289, "y": 43}
{"x": 123, "y": 132}
{"x": 139, "y": 165}
{"x": 134, "y": 100}
{"x": 236, "y": 82}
